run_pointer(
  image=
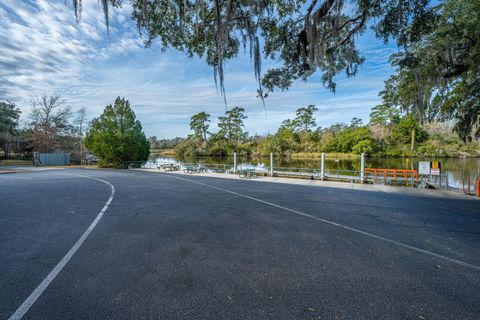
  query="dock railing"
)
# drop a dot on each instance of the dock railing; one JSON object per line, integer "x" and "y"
{"x": 471, "y": 185}
{"x": 392, "y": 176}
{"x": 434, "y": 181}
{"x": 395, "y": 177}
{"x": 343, "y": 175}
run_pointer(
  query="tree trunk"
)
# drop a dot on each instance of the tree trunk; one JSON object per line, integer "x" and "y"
{"x": 81, "y": 150}
{"x": 412, "y": 146}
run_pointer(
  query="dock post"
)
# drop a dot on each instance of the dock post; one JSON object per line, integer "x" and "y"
{"x": 271, "y": 164}
{"x": 322, "y": 167}
{"x": 478, "y": 188}
{"x": 362, "y": 168}
{"x": 234, "y": 163}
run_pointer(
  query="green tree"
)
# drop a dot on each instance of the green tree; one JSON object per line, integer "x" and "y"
{"x": 384, "y": 114}
{"x": 231, "y": 125}
{"x": 407, "y": 128}
{"x": 356, "y": 122}
{"x": 289, "y": 125}
{"x": 287, "y": 138}
{"x": 199, "y": 124}
{"x": 187, "y": 147}
{"x": 437, "y": 69}
{"x": 9, "y": 115}
{"x": 355, "y": 139}
{"x": 305, "y": 120}
{"x": 116, "y": 136}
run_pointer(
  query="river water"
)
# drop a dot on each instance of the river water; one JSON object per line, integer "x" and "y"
{"x": 456, "y": 168}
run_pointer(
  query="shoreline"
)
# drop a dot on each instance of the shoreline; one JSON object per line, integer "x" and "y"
{"x": 315, "y": 155}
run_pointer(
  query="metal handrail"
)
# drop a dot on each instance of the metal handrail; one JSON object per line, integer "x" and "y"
{"x": 384, "y": 176}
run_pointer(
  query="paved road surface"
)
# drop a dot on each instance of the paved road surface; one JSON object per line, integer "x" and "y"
{"x": 206, "y": 248}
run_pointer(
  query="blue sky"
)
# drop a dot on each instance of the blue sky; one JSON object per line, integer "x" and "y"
{"x": 44, "y": 51}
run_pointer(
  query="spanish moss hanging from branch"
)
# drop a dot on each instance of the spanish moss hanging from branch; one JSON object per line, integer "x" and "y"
{"x": 299, "y": 37}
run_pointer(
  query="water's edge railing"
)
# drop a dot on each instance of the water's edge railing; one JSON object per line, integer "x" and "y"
{"x": 393, "y": 177}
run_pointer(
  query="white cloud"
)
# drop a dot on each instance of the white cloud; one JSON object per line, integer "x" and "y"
{"x": 44, "y": 50}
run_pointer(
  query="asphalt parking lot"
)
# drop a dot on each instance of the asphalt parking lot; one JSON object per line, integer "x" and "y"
{"x": 187, "y": 247}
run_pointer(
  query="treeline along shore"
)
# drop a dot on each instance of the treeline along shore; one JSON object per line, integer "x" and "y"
{"x": 389, "y": 133}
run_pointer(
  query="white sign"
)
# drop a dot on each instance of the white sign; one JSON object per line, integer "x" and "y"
{"x": 424, "y": 167}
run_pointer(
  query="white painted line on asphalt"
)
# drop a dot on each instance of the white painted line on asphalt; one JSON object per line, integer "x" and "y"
{"x": 27, "y": 304}
{"x": 368, "y": 234}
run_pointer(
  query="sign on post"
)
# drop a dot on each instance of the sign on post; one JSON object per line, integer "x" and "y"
{"x": 429, "y": 168}
{"x": 424, "y": 168}
{"x": 435, "y": 168}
